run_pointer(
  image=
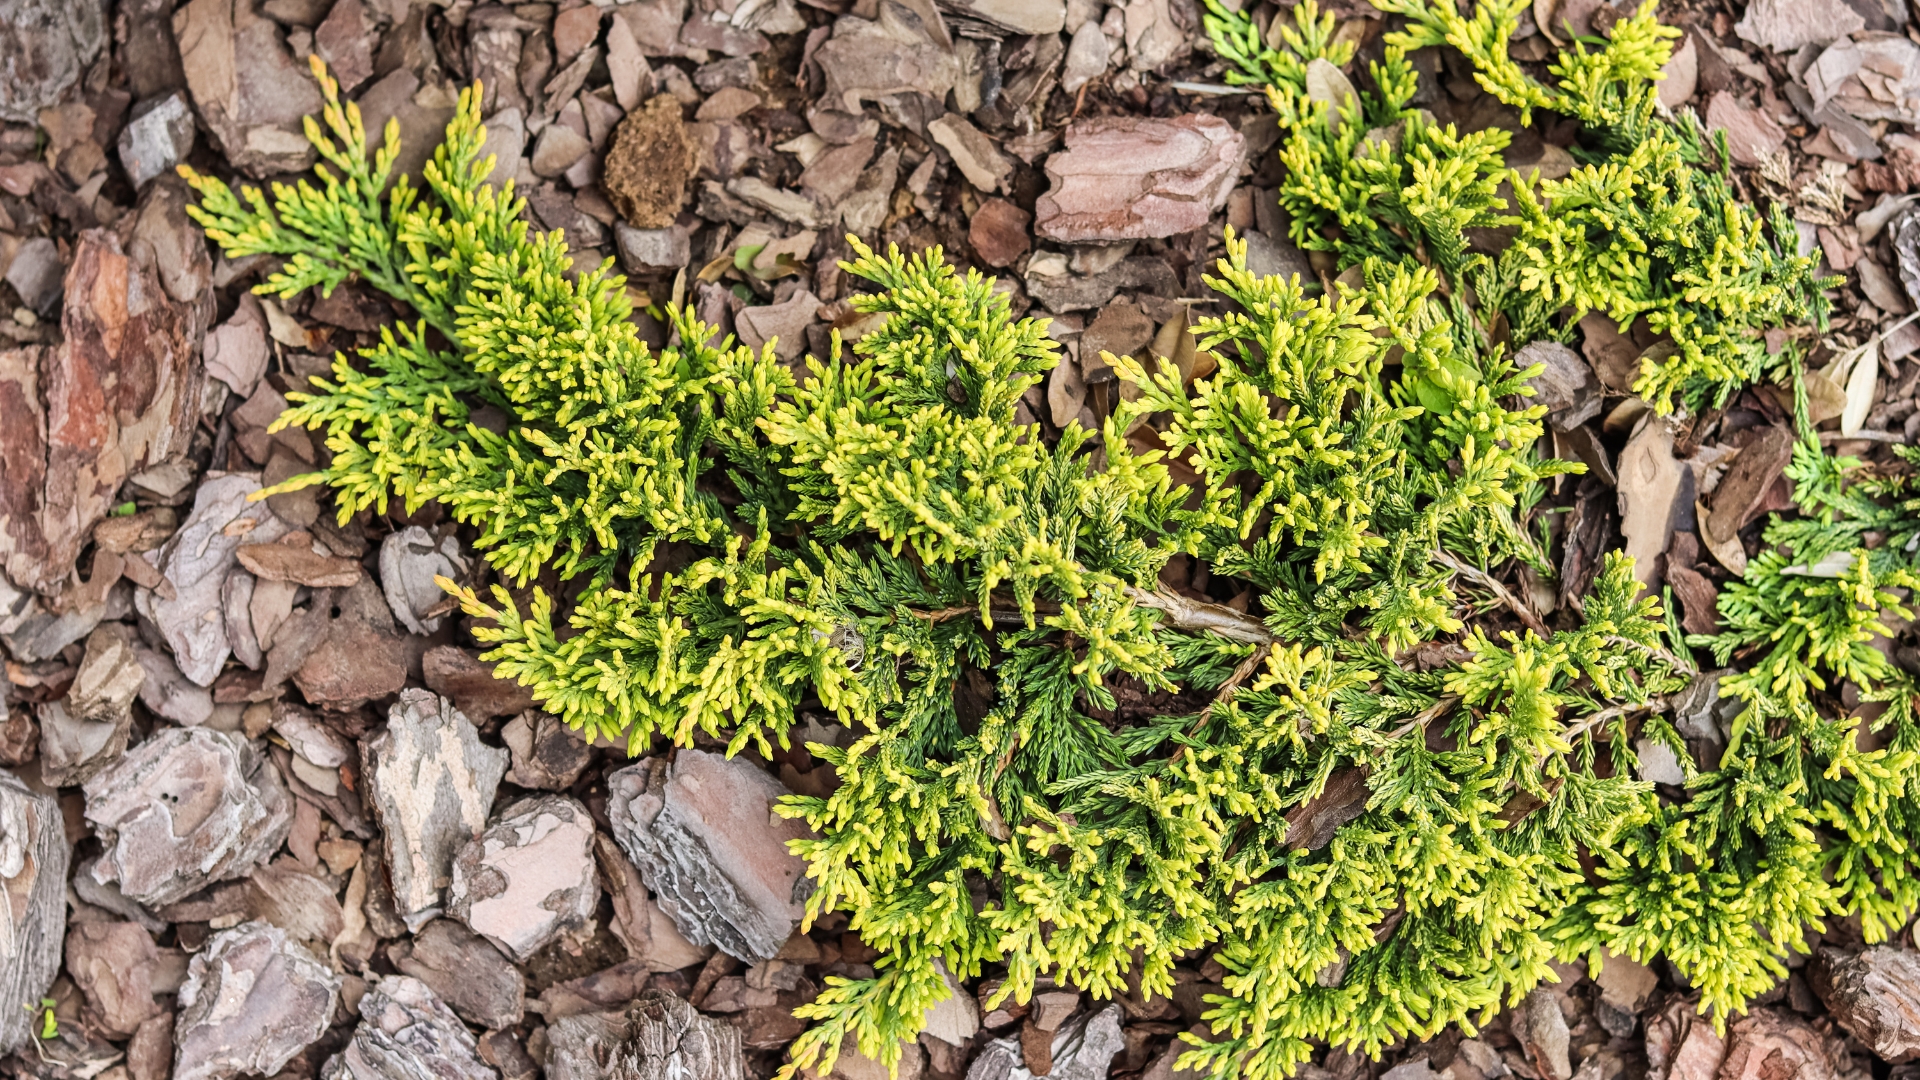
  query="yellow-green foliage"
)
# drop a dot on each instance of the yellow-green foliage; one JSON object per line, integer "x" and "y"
{"x": 871, "y": 533}
{"x": 1646, "y": 227}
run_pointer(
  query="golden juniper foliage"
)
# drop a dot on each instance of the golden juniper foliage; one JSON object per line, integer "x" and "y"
{"x": 1370, "y": 847}
{"x": 1796, "y": 820}
{"x": 1644, "y": 227}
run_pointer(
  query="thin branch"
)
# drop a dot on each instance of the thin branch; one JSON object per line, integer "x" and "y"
{"x": 1657, "y": 704}
{"x": 1225, "y": 694}
{"x": 1673, "y": 661}
{"x": 1199, "y": 616}
{"x": 1435, "y": 711}
{"x": 1491, "y": 583}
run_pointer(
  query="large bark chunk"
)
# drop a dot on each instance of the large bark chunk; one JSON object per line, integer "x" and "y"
{"x": 1136, "y": 178}
{"x": 250, "y": 91}
{"x": 120, "y": 394}
{"x": 530, "y": 877}
{"x": 430, "y": 782}
{"x": 1875, "y": 995}
{"x": 406, "y": 1033}
{"x": 45, "y": 46}
{"x": 186, "y": 808}
{"x": 252, "y": 1000}
{"x": 659, "y": 1037}
{"x": 704, "y": 835}
{"x": 33, "y": 874}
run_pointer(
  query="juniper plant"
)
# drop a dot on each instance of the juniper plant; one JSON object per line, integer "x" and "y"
{"x": 1375, "y": 824}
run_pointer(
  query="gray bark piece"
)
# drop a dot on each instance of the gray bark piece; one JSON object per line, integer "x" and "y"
{"x": 188, "y": 807}
{"x": 108, "y": 897}
{"x": 30, "y": 633}
{"x": 252, "y": 1000}
{"x": 430, "y": 782}
{"x": 167, "y": 693}
{"x": 45, "y": 46}
{"x": 708, "y": 843}
{"x": 1083, "y": 1049}
{"x": 310, "y": 738}
{"x": 466, "y": 971}
{"x": 33, "y": 921}
{"x": 1541, "y": 1027}
{"x": 406, "y": 1033}
{"x": 88, "y": 730}
{"x": 197, "y": 559}
{"x": 236, "y": 597}
{"x": 159, "y": 137}
{"x": 409, "y": 561}
{"x": 1567, "y": 387}
{"x": 659, "y": 1037}
{"x": 529, "y": 877}
{"x": 72, "y": 750}
{"x": 1874, "y": 995}
{"x": 547, "y": 755}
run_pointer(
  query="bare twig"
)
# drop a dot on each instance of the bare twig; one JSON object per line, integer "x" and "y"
{"x": 1200, "y": 616}
{"x": 1828, "y": 438}
{"x": 1656, "y": 704}
{"x": 1225, "y": 694}
{"x": 1491, "y": 583}
{"x": 1673, "y": 661}
{"x": 1435, "y": 711}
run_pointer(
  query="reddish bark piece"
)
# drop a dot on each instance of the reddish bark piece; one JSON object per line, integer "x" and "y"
{"x": 1135, "y": 178}
{"x": 1767, "y": 1044}
{"x": 1752, "y": 135}
{"x": 113, "y": 964}
{"x": 120, "y": 394}
{"x": 465, "y": 969}
{"x": 1682, "y": 1045}
{"x": 547, "y": 755}
{"x": 456, "y": 673}
{"x": 998, "y": 232}
{"x": 250, "y": 91}
{"x": 360, "y": 659}
{"x": 300, "y": 564}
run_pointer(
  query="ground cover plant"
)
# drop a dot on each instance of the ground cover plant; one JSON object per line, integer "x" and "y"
{"x": 1378, "y": 819}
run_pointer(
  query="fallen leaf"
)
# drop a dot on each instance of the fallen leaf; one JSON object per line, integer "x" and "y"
{"x": 1863, "y": 386}
{"x": 1650, "y": 481}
